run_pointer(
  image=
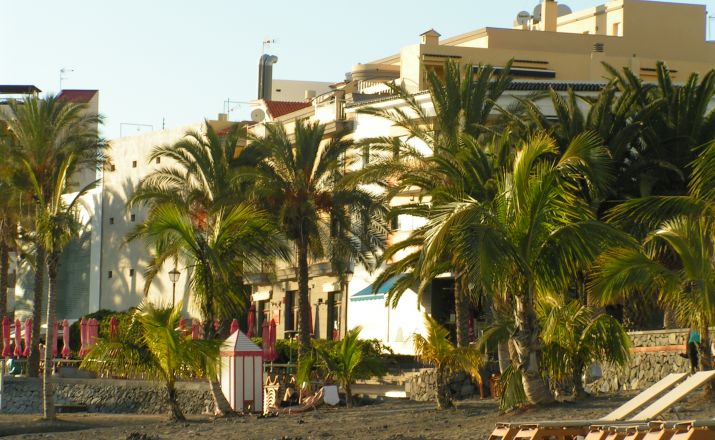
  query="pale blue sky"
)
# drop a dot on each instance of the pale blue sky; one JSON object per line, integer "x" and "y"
{"x": 181, "y": 59}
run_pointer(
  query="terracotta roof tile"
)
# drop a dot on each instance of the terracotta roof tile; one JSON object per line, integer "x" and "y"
{"x": 80, "y": 96}
{"x": 280, "y": 108}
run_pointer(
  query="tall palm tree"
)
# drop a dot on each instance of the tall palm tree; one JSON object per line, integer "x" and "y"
{"x": 436, "y": 349}
{"x": 154, "y": 346}
{"x": 462, "y": 101}
{"x": 532, "y": 238}
{"x": 304, "y": 181}
{"x": 194, "y": 218}
{"x": 44, "y": 134}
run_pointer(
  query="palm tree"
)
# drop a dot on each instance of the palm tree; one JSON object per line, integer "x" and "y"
{"x": 533, "y": 237}
{"x": 153, "y": 346}
{"x": 194, "y": 218}
{"x": 457, "y": 165}
{"x": 575, "y": 336}
{"x": 49, "y": 137}
{"x": 436, "y": 349}
{"x": 348, "y": 361}
{"x": 304, "y": 180}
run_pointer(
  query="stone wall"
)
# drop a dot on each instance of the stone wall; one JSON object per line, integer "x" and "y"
{"x": 22, "y": 395}
{"x": 422, "y": 387}
{"x": 656, "y": 354}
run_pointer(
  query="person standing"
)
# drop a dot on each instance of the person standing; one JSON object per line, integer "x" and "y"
{"x": 693, "y": 345}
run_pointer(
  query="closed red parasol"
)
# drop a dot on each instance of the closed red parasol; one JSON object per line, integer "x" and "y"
{"x": 234, "y": 326}
{"x": 195, "y": 333}
{"x": 18, "y": 338}
{"x": 83, "y": 337}
{"x": 251, "y": 320}
{"x": 65, "y": 339}
{"x": 113, "y": 327}
{"x": 28, "y": 337}
{"x": 272, "y": 354}
{"x": 6, "y": 349}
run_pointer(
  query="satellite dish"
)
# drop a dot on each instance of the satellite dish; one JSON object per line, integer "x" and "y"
{"x": 257, "y": 115}
{"x": 523, "y": 18}
{"x": 537, "y": 13}
{"x": 562, "y": 10}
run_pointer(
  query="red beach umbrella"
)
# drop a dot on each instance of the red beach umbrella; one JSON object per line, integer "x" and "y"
{"x": 310, "y": 320}
{"x": 251, "y": 320}
{"x": 54, "y": 339}
{"x": 195, "y": 330}
{"x": 18, "y": 338}
{"x": 65, "y": 339}
{"x": 83, "y": 337}
{"x": 113, "y": 327}
{"x": 234, "y": 326}
{"x": 272, "y": 355}
{"x": 28, "y": 337}
{"x": 266, "y": 336}
{"x": 6, "y": 349}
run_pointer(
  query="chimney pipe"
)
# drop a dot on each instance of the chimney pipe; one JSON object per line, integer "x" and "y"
{"x": 549, "y": 15}
{"x": 265, "y": 75}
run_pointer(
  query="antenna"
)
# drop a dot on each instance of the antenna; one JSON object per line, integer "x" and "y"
{"x": 536, "y": 15}
{"x": 562, "y": 10}
{"x": 522, "y": 18}
{"x": 267, "y": 42}
{"x": 63, "y": 75}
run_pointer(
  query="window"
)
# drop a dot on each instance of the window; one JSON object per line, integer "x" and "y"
{"x": 133, "y": 217}
{"x": 334, "y": 315}
{"x": 158, "y": 160}
{"x": 395, "y": 223}
{"x": 289, "y": 306}
{"x": 131, "y": 272}
{"x": 109, "y": 274}
{"x": 616, "y": 29}
{"x": 111, "y": 220}
{"x": 112, "y": 167}
{"x": 134, "y": 164}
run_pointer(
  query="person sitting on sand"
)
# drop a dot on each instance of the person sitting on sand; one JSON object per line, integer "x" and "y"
{"x": 291, "y": 396}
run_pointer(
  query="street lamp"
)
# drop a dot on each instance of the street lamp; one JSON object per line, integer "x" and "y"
{"x": 174, "y": 277}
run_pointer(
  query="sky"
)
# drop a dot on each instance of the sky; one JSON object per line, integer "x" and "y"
{"x": 175, "y": 62}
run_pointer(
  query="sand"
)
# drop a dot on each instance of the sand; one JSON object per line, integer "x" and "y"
{"x": 400, "y": 419}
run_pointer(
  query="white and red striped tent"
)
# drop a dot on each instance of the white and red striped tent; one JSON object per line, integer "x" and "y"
{"x": 242, "y": 373}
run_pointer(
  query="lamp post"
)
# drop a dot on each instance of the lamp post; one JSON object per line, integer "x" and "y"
{"x": 174, "y": 277}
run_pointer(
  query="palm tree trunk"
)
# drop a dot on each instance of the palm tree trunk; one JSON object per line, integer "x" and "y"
{"x": 461, "y": 312}
{"x": 221, "y": 406}
{"x": 303, "y": 299}
{"x": 48, "y": 404}
{"x": 348, "y": 395}
{"x": 444, "y": 398}
{"x": 528, "y": 351}
{"x": 503, "y": 355}
{"x": 175, "y": 413}
{"x": 578, "y": 391}
{"x": 4, "y": 279}
{"x": 33, "y": 361}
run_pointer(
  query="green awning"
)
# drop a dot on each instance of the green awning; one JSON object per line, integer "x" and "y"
{"x": 366, "y": 294}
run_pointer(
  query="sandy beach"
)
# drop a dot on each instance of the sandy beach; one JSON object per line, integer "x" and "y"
{"x": 387, "y": 420}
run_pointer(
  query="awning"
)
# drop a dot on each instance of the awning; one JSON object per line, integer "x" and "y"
{"x": 366, "y": 294}
{"x": 261, "y": 296}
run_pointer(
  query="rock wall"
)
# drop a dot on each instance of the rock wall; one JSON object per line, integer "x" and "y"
{"x": 22, "y": 395}
{"x": 656, "y": 354}
{"x": 422, "y": 387}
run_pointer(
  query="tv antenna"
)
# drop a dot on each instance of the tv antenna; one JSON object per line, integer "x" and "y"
{"x": 267, "y": 42}
{"x": 64, "y": 75}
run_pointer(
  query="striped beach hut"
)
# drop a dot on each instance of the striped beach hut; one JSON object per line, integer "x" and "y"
{"x": 242, "y": 373}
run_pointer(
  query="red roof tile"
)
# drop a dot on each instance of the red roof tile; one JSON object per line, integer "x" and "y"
{"x": 280, "y": 108}
{"x": 80, "y": 96}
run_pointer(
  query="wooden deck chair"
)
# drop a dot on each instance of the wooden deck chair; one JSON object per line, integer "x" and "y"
{"x": 696, "y": 430}
{"x": 675, "y": 395}
{"x": 508, "y": 431}
{"x": 636, "y": 432}
{"x": 659, "y": 430}
{"x": 551, "y": 431}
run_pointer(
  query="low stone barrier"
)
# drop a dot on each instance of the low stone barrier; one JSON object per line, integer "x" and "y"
{"x": 22, "y": 395}
{"x": 422, "y": 387}
{"x": 656, "y": 354}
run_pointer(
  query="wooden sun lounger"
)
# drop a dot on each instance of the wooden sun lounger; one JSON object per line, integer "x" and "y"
{"x": 695, "y": 430}
{"x": 675, "y": 395}
{"x": 509, "y": 431}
